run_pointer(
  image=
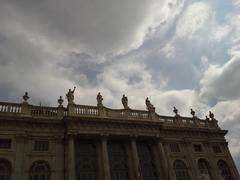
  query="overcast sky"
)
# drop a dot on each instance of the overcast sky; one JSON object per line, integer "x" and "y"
{"x": 176, "y": 52}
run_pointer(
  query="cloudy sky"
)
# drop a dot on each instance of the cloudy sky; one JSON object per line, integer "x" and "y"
{"x": 183, "y": 53}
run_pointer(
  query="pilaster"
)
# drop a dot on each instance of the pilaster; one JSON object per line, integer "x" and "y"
{"x": 135, "y": 158}
{"x": 194, "y": 172}
{"x": 71, "y": 158}
{"x": 106, "y": 168}
{"x": 163, "y": 158}
{"x": 18, "y": 172}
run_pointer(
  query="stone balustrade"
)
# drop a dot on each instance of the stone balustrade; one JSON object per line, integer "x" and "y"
{"x": 12, "y": 108}
{"x": 103, "y": 112}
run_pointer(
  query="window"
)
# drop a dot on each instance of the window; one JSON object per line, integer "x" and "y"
{"x": 5, "y": 169}
{"x": 86, "y": 160}
{"x": 146, "y": 160}
{"x": 118, "y": 161}
{"x": 181, "y": 170}
{"x": 203, "y": 167}
{"x": 41, "y": 145}
{"x": 40, "y": 171}
{"x": 5, "y": 143}
{"x": 224, "y": 170}
{"x": 174, "y": 147}
{"x": 217, "y": 149}
{"x": 197, "y": 147}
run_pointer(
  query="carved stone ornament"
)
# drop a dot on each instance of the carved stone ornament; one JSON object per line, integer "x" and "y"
{"x": 70, "y": 95}
{"x": 60, "y": 101}
{"x": 125, "y": 102}
{"x": 211, "y": 115}
{"x": 25, "y": 97}
{"x": 175, "y": 110}
{"x": 192, "y": 112}
{"x": 149, "y": 105}
{"x": 99, "y": 100}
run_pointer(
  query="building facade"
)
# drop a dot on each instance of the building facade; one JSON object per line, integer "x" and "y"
{"x": 80, "y": 142}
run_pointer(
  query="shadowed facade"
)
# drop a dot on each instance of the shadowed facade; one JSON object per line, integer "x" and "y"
{"x": 80, "y": 142}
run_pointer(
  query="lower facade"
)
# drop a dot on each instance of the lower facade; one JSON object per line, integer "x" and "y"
{"x": 105, "y": 157}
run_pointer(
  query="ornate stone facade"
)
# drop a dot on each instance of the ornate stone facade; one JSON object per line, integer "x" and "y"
{"x": 98, "y": 143}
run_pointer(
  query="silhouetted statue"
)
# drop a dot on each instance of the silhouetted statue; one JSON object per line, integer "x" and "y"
{"x": 207, "y": 119}
{"x": 149, "y": 105}
{"x": 125, "y": 102}
{"x": 211, "y": 115}
{"x": 99, "y": 99}
{"x": 70, "y": 95}
{"x": 175, "y": 110}
{"x": 192, "y": 112}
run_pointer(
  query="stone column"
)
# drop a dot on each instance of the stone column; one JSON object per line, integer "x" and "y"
{"x": 191, "y": 160}
{"x": 106, "y": 168}
{"x": 163, "y": 158}
{"x": 71, "y": 158}
{"x": 19, "y": 160}
{"x": 214, "y": 173}
{"x": 170, "y": 171}
{"x": 135, "y": 159}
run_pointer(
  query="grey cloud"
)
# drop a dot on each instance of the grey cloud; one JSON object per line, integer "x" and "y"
{"x": 105, "y": 26}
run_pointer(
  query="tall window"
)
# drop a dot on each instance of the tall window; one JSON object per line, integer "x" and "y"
{"x": 86, "y": 161}
{"x": 181, "y": 170}
{"x": 146, "y": 160}
{"x": 224, "y": 170}
{"x": 118, "y": 161}
{"x": 5, "y": 169}
{"x": 40, "y": 170}
{"x": 203, "y": 167}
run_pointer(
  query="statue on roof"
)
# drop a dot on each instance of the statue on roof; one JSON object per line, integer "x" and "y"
{"x": 211, "y": 115}
{"x": 99, "y": 99}
{"x": 192, "y": 112}
{"x": 149, "y": 105}
{"x": 70, "y": 95}
{"x": 175, "y": 110}
{"x": 125, "y": 102}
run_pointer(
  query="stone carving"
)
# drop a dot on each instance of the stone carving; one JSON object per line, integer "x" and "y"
{"x": 175, "y": 110}
{"x": 125, "y": 102}
{"x": 192, "y": 112}
{"x": 70, "y": 95}
{"x": 60, "y": 101}
{"x": 99, "y": 99}
{"x": 149, "y": 105}
{"x": 207, "y": 118}
{"x": 25, "y": 97}
{"x": 211, "y": 115}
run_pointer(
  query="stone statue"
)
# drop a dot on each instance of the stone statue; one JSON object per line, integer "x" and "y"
{"x": 211, "y": 115}
{"x": 70, "y": 95}
{"x": 192, "y": 112}
{"x": 149, "y": 105}
{"x": 175, "y": 110}
{"x": 99, "y": 99}
{"x": 125, "y": 102}
{"x": 206, "y": 118}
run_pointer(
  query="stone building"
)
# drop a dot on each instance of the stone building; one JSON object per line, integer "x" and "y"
{"x": 80, "y": 142}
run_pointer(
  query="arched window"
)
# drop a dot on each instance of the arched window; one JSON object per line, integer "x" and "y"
{"x": 181, "y": 170}
{"x": 203, "y": 167}
{"x": 40, "y": 171}
{"x": 224, "y": 170}
{"x": 5, "y": 169}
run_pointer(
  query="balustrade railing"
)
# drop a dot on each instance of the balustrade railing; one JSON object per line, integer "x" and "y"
{"x": 44, "y": 111}
{"x": 10, "y": 108}
{"x": 86, "y": 110}
{"x": 94, "y": 111}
